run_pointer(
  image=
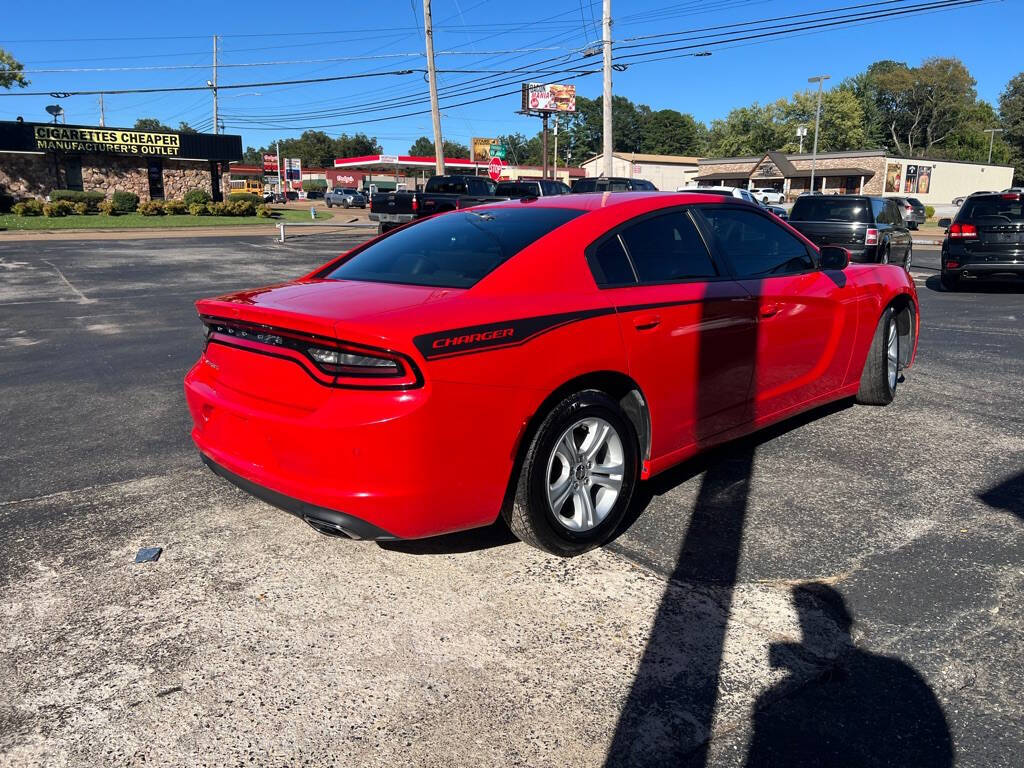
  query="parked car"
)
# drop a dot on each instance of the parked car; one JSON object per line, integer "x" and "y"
{"x": 738, "y": 192}
{"x": 346, "y": 197}
{"x": 985, "y": 240}
{"x": 778, "y": 210}
{"x": 440, "y": 194}
{"x": 530, "y": 188}
{"x": 912, "y": 210}
{"x": 612, "y": 184}
{"x": 316, "y": 194}
{"x": 871, "y": 228}
{"x": 534, "y": 361}
{"x": 768, "y": 195}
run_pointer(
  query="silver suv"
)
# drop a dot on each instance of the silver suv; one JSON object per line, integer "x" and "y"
{"x": 346, "y": 197}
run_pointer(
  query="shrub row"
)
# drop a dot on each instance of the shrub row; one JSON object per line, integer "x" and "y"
{"x": 64, "y": 202}
{"x": 91, "y": 199}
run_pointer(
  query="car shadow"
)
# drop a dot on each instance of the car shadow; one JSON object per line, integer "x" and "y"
{"x": 1007, "y": 495}
{"x": 495, "y": 535}
{"x": 934, "y": 283}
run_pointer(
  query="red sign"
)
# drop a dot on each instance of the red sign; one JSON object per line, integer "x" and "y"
{"x": 494, "y": 168}
{"x": 270, "y": 162}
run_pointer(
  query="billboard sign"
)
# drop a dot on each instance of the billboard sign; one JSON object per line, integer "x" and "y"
{"x": 540, "y": 97}
{"x": 910, "y": 185}
{"x": 893, "y": 172}
{"x": 293, "y": 172}
{"x": 924, "y": 179}
{"x": 482, "y": 149}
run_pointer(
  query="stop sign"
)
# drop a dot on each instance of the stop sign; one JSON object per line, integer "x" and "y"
{"x": 494, "y": 168}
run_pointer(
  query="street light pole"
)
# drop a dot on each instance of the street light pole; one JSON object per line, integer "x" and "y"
{"x": 819, "y": 79}
{"x": 992, "y": 140}
{"x": 606, "y": 106}
{"x": 214, "y": 86}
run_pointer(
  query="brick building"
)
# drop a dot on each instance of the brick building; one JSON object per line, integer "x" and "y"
{"x": 37, "y": 158}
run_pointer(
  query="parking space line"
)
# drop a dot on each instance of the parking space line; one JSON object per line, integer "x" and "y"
{"x": 82, "y": 298}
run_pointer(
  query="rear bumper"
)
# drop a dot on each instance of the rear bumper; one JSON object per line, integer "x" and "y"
{"x": 987, "y": 270}
{"x": 327, "y": 521}
{"x": 392, "y": 218}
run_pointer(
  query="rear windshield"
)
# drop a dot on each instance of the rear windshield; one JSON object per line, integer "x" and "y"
{"x": 991, "y": 210}
{"x": 513, "y": 189}
{"x": 452, "y": 251}
{"x": 816, "y": 208}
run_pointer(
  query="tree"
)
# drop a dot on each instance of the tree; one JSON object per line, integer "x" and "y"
{"x": 184, "y": 127}
{"x": 151, "y": 124}
{"x": 424, "y": 147}
{"x": 668, "y": 132}
{"x": 745, "y": 131}
{"x": 1011, "y": 116}
{"x": 11, "y": 71}
{"x": 356, "y": 146}
{"x": 841, "y": 125}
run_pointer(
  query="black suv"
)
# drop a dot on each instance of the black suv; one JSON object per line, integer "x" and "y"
{"x": 612, "y": 184}
{"x": 985, "y": 240}
{"x": 870, "y": 228}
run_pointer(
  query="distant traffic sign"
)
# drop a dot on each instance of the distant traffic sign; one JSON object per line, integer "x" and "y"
{"x": 494, "y": 168}
{"x": 498, "y": 150}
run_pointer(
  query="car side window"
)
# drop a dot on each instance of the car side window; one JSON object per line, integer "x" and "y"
{"x": 667, "y": 247}
{"x": 878, "y": 209}
{"x": 610, "y": 264}
{"x": 895, "y": 217}
{"x": 756, "y": 245}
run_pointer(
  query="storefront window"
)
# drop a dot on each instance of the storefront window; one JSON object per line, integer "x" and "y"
{"x": 156, "y": 179}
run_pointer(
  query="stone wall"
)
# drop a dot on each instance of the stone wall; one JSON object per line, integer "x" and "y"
{"x": 27, "y": 175}
{"x": 35, "y": 176}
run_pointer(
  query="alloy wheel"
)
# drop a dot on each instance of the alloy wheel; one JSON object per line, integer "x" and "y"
{"x": 584, "y": 474}
{"x": 892, "y": 352}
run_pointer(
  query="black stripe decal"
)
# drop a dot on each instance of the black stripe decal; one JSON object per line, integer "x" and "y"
{"x": 510, "y": 333}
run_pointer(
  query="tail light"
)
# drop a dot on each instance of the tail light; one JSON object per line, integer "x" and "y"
{"x": 963, "y": 231}
{"x": 330, "y": 361}
{"x": 871, "y": 237}
{"x": 952, "y": 264}
{"x": 415, "y": 204}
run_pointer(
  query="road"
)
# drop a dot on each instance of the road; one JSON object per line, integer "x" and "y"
{"x": 846, "y": 584}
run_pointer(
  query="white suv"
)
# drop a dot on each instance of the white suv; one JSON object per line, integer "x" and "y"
{"x": 739, "y": 192}
{"x": 768, "y": 195}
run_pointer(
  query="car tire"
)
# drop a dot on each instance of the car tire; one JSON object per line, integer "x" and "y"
{"x": 328, "y": 203}
{"x": 879, "y": 379}
{"x": 592, "y": 422}
{"x": 950, "y": 282}
{"x": 909, "y": 258}
{"x": 884, "y": 258}
{"x": 344, "y": 203}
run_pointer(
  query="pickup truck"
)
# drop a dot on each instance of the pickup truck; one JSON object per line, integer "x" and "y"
{"x": 870, "y": 228}
{"x": 441, "y": 193}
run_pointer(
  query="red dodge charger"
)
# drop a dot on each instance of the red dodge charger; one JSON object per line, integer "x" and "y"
{"x": 535, "y": 359}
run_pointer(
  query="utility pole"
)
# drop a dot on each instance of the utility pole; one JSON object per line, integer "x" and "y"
{"x": 606, "y": 122}
{"x": 544, "y": 146}
{"x": 819, "y": 79}
{"x": 280, "y": 170}
{"x": 991, "y": 140}
{"x": 103, "y": 122}
{"x": 216, "y": 129}
{"x": 435, "y": 111}
{"x": 554, "y": 158}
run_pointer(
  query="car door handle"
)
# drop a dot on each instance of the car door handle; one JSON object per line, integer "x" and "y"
{"x": 770, "y": 310}
{"x": 646, "y": 322}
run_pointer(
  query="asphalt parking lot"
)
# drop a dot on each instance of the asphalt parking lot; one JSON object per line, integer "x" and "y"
{"x": 841, "y": 590}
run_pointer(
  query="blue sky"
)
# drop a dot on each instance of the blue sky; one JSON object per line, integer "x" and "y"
{"x": 343, "y": 39}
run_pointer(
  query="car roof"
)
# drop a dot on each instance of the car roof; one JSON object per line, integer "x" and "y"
{"x": 590, "y": 201}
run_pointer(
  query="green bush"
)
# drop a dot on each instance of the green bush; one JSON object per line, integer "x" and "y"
{"x": 152, "y": 208}
{"x": 929, "y": 211}
{"x": 175, "y": 207}
{"x": 28, "y": 208}
{"x": 58, "y": 209}
{"x": 198, "y": 209}
{"x": 264, "y": 212}
{"x": 91, "y": 199}
{"x": 241, "y": 208}
{"x": 247, "y": 197}
{"x": 196, "y": 196}
{"x": 81, "y": 207}
{"x": 124, "y": 202}
{"x": 107, "y": 208}
{"x": 218, "y": 209}
{"x": 314, "y": 185}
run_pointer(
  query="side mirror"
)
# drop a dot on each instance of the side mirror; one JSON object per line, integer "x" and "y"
{"x": 834, "y": 257}
{"x": 944, "y": 223}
